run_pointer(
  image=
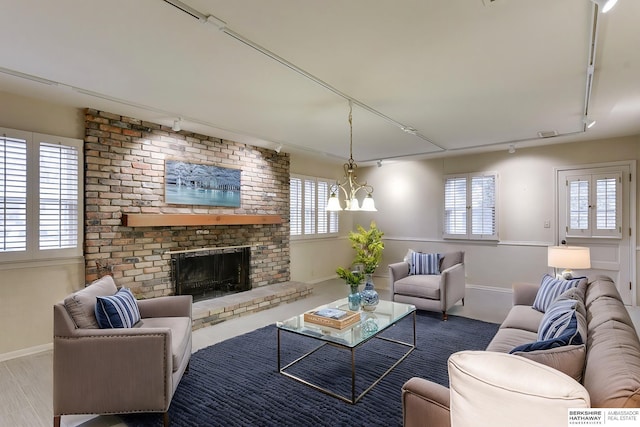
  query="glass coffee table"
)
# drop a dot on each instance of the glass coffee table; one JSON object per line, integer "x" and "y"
{"x": 369, "y": 327}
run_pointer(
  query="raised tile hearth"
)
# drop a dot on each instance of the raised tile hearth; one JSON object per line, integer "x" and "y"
{"x": 216, "y": 310}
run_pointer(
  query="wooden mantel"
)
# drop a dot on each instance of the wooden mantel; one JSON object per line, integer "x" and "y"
{"x": 170, "y": 220}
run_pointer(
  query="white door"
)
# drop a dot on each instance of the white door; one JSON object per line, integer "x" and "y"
{"x": 594, "y": 210}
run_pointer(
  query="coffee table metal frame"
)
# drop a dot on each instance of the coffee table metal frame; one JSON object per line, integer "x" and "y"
{"x": 326, "y": 340}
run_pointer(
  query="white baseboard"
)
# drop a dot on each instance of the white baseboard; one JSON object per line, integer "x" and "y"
{"x": 489, "y": 288}
{"x": 26, "y": 352}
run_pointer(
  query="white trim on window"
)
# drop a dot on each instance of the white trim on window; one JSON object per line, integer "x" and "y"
{"x": 594, "y": 205}
{"x": 309, "y": 218}
{"x": 41, "y": 188}
{"x": 471, "y": 206}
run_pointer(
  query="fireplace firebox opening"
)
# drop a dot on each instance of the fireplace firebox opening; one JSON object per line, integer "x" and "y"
{"x": 212, "y": 272}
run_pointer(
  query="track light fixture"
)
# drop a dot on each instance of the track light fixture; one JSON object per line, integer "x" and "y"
{"x": 176, "y": 125}
{"x": 512, "y": 148}
{"x": 588, "y": 122}
{"x": 605, "y": 6}
{"x": 278, "y": 148}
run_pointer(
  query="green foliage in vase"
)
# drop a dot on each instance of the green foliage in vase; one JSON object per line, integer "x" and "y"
{"x": 351, "y": 277}
{"x": 368, "y": 245}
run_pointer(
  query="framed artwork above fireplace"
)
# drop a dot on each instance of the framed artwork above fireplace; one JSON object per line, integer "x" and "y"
{"x": 187, "y": 183}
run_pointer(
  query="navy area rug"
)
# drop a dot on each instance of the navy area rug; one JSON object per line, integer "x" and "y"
{"x": 237, "y": 383}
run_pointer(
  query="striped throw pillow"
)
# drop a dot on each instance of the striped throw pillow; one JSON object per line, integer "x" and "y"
{"x": 425, "y": 263}
{"x": 117, "y": 311}
{"x": 556, "y": 319}
{"x": 550, "y": 289}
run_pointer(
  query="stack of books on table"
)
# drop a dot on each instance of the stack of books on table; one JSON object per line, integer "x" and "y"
{"x": 332, "y": 317}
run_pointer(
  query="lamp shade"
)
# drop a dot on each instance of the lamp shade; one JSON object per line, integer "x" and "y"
{"x": 333, "y": 204}
{"x": 568, "y": 257}
{"x": 368, "y": 204}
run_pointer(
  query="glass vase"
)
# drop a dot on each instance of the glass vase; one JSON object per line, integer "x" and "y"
{"x": 369, "y": 297}
{"x": 354, "y": 298}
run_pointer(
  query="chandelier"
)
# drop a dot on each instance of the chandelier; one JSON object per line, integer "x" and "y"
{"x": 350, "y": 185}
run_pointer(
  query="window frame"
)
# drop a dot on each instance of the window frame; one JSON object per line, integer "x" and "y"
{"x": 469, "y": 230}
{"x": 33, "y": 252}
{"x": 591, "y": 230}
{"x": 299, "y": 227}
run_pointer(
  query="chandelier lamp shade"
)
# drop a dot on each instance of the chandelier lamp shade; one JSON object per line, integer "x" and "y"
{"x": 350, "y": 186}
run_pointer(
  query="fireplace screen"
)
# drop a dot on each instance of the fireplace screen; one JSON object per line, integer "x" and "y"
{"x": 211, "y": 273}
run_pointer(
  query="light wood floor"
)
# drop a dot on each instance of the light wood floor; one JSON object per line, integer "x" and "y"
{"x": 26, "y": 383}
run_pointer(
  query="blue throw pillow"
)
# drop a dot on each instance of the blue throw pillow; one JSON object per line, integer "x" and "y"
{"x": 117, "y": 311}
{"x": 550, "y": 289}
{"x": 425, "y": 263}
{"x": 570, "y": 336}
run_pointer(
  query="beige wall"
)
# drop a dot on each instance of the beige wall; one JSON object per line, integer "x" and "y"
{"x": 28, "y": 292}
{"x": 314, "y": 260}
{"x": 410, "y": 203}
{"x": 409, "y": 200}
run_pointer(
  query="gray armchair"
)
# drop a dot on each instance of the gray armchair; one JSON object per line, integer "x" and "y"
{"x": 123, "y": 370}
{"x": 435, "y": 292}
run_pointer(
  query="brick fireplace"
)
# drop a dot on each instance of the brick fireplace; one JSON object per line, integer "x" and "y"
{"x": 124, "y": 175}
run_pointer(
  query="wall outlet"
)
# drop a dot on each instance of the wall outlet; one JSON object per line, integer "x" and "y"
{"x": 547, "y": 224}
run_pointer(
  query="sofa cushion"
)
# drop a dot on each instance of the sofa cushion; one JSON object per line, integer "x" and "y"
{"x": 117, "y": 311}
{"x": 422, "y": 263}
{"x": 551, "y": 288}
{"x": 81, "y": 305}
{"x": 568, "y": 359}
{"x": 568, "y": 336}
{"x": 420, "y": 286}
{"x": 507, "y": 338}
{"x": 523, "y": 317}
{"x": 179, "y": 327}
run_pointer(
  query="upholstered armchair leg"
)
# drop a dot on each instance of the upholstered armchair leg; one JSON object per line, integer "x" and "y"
{"x": 56, "y": 421}
{"x": 165, "y": 419}
{"x": 463, "y": 302}
{"x": 445, "y": 316}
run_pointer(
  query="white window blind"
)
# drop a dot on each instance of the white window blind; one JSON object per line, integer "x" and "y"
{"x": 455, "y": 206}
{"x": 579, "y": 203}
{"x": 308, "y": 214}
{"x": 310, "y": 202}
{"x": 40, "y": 196}
{"x": 295, "y": 206}
{"x": 13, "y": 194}
{"x": 483, "y": 205}
{"x": 323, "y": 218}
{"x": 58, "y": 196}
{"x": 594, "y": 205}
{"x": 470, "y": 206}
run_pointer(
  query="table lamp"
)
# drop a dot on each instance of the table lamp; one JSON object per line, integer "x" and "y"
{"x": 568, "y": 257}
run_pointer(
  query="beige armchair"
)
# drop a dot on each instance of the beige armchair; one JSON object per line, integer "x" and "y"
{"x": 433, "y": 292}
{"x": 122, "y": 370}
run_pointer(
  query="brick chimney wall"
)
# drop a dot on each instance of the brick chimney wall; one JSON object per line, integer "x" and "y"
{"x": 124, "y": 174}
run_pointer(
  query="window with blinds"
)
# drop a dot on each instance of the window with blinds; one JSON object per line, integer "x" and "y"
{"x": 308, "y": 214}
{"x": 593, "y": 205}
{"x": 13, "y": 194}
{"x": 40, "y": 190}
{"x": 470, "y": 208}
{"x": 58, "y": 224}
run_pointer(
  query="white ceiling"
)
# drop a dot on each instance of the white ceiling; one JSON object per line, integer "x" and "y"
{"x": 468, "y": 76}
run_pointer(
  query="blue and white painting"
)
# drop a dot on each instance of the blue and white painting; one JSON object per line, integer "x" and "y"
{"x": 198, "y": 184}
